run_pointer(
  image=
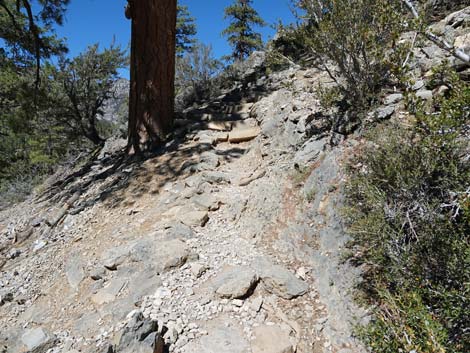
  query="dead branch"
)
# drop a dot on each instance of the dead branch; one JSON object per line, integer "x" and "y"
{"x": 441, "y": 43}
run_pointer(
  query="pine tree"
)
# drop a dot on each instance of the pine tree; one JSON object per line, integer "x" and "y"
{"x": 241, "y": 36}
{"x": 185, "y": 30}
{"x": 153, "y": 53}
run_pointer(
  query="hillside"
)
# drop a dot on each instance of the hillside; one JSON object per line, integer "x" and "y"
{"x": 231, "y": 238}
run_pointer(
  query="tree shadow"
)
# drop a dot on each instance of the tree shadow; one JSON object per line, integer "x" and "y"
{"x": 119, "y": 179}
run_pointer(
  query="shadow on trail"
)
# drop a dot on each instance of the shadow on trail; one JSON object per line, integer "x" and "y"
{"x": 119, "y": 179}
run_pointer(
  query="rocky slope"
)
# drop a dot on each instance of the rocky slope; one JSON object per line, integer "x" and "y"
{"x": 228, "y": 240}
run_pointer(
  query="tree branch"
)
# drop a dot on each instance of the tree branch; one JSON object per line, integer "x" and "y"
{"x": 441, "y": 43}
{"x": 37, "y": 40}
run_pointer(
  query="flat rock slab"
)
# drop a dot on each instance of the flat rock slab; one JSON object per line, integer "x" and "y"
{"x": 278, "y": 280}
{"x": 114, "y": 257}
{"x": 74, "y": 271}
{"x": 164, "y": 255}
{"x": 224, "y": 337}
{"x": 242, "y": 135}
{"x": 36, "y": 338}
{"x": 235, "y": 282}
{"x": 206, "y": 202}
{"x": 109, "y": 293}
{"x": 194, "y": 218}
{"x": 219, "y": 125}
{"x": 271, "y": 339}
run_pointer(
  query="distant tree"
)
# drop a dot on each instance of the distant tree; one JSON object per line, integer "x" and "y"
{"x": 197, "y": 69}
{"x": 241, "y": 36}
{"x": 152, "y": 88}
{"x": 83, "y": 85}
{"x": 185, "y": 30}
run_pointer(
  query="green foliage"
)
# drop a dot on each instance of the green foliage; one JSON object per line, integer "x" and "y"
{"x": 26, "y": 28}
{"x": 356, "y": 41}
{"x": 185, "y": 30}
{"x": 240, "y": 33}
{"x": 409, "y": 217}
{"x": 196, "y": 70}
{"x": 82, "y": 85}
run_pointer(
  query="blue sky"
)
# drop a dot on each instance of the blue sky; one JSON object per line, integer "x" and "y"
{"x": 92, "y": 21}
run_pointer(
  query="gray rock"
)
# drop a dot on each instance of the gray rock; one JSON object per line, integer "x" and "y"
{"x": 222, "y": 338}
{"x": 37, "y": 338}
{"x": 309, "y": 152}
{"x": 206, "y": 202}
{"x": 109, "y": 293}
{"x": 425, "y": 95}
{"x": 393, "y": 98}
{"x": 97, "y": 273}
{"x": 207, "y": 161}
{"x": 74, "y": 271}
{"x": 277, "y": 280}
{"x": 216, "y": 177}
{"x": 198, "y": 269}
{"x": 271, "y": 339}
{"x": 163, "y": 255}
{"x": 235, "y": 282}
{"x": 384, "y": 113}
{"x": 179, "y": 230}
{"x": 256, "y": 304}
{"x": 114, "y": 257}
{"x": 142, "y": 284}
{"x": 195, "y": 218}
{"x": 140, "y": 336}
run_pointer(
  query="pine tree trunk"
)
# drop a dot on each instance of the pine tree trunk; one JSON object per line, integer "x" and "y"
{"x": 151, "y": 101}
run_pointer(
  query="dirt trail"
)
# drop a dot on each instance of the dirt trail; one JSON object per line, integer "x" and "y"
{"x": 222, "y": 244}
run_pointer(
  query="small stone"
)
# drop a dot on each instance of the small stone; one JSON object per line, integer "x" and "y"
{"x": 39, "y": 244}
{"x": 195, "y": 218}
{"x": 393, "y": 98}
{"x": 256, "y": 304}
{"x": 198, "y": 269}
{"x": 237, "y": 302}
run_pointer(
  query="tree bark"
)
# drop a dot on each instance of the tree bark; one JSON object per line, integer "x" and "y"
{"x": 151, "y": 101}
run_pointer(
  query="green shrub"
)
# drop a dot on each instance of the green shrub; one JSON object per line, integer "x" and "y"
{"x": 410, "y": 221}
{"x": 357, "y": 42}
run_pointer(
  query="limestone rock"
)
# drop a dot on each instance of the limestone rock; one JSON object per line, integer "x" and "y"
{"x": 235, "y": 282}
{"x": 221, "y": 339}
{"x": 280, "y": 281}
{"x": 195, "y": 218}
{"x": 74, "y": 272}
{"x": 242, "y": 135}
{"x": 213, "y": 177}
{"x": 206, "y": 202}
{"x": 114, "y": 257}
{"x": 37, "y": 338}
{"x": 198, "y": 269}
{"x": 108, "y": 294}
{"x": 164, "y": 255}
{"x": 271, "y": 339}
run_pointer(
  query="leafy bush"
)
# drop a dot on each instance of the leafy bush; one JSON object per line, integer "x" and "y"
{"x": 356, "y": 41}
{"x": 410, "y": 221}
{"x": 195, "y": 72}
